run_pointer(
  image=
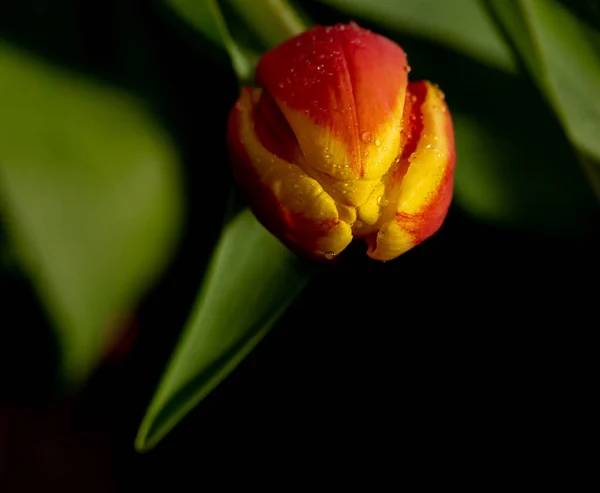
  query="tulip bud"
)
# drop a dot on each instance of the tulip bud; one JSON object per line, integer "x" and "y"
{"x": 336, "y": 144}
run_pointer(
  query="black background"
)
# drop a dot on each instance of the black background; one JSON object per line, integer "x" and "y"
{"x": 473, "y": 348}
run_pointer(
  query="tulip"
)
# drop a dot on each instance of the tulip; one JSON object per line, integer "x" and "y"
{"x": 334, "y": 144}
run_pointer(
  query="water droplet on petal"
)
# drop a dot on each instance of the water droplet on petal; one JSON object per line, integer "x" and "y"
{"x": 366, "y": 137}
{"x": 378, "y": 143}
{"x": 329, "y": 255}
{"x": 358, "y": 223}
{"x": 407, "y": 69}
{"x": 380, "y": 235}
{"x": 281, "y": 85}
{"x": 382, "y": 201}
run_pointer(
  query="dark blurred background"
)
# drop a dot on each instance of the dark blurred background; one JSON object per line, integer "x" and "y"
{"x": 478, "y": 341}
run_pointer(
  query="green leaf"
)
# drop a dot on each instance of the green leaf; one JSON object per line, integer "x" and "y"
{"x": 251, "y": 280}
{"x": 562, "y": 53}
{"x": 90, "y": 197}
{"x": 207, "y": 18}
{"x": 460, "y": 24}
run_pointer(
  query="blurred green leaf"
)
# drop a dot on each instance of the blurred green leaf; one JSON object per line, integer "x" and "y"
{"x": 207, "y": 18}
{"x": 274, "y": 21}
{"x": 460, "y": 24}
{"x": 502, "y": 179}
{"x": 251, "y": 281}
{"x": 90, "y": 198}
{"x": 562, "y": 53}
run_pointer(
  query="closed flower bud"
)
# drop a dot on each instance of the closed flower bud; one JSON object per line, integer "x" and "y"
{"x": 334, "y": 144}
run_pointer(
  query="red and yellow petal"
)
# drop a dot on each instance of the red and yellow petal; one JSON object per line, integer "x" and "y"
{"x": 418, "y": 189}
{"x": 286, "y": 200}
{"x": 337, "y": 145}
{"x": 342, "y": 91}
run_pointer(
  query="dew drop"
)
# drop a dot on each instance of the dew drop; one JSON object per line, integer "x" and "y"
{"x": 366, "y": 137}
{"x": 380, "y": 235}
{"x": 407, "y": 69}
{"x": 281, "y": 85}
{"x": 382, "y": 201}
{"x": 378, "y": 143}
{"x": 430, "y": 146}
{"x": 329, "y": 255}
{"x": 358, "y": 223}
